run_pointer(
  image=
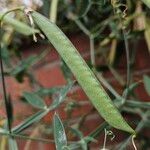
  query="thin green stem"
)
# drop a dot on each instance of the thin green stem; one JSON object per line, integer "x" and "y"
{"x": 53, "y": 11}
{"x": 3, "y": 83}
{"x": 9, "y": 11}
{"x": 2, "y": 69}
{"x": 82, "y": 27}
{"x": 127, "y": 57}
{"x": 91, "y": 38}
{"x": 20, "y": 136}
{"x": 92, "y": 51}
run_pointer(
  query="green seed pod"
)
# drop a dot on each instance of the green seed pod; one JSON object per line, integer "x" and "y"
{"x": 82, "y": 72}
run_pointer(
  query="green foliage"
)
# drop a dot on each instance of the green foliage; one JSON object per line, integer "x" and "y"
{"x": 40, "y": 114}
{"x": 59, "y": 133}
{"x": 35, "y": 100}
{"x": 29, "y": 121}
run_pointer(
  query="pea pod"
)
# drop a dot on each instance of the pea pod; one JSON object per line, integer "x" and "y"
{"x": 82, "y": 72}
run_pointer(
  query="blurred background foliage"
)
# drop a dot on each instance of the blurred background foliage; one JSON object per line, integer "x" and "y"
{"x": 106, "y": 23}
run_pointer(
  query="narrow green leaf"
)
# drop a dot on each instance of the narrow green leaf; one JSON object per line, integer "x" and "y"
{"x": 138, "y": 104}
{"x": 35, "y": 100}
{"x": 12, "y": 144}
{"x": 47, "y": 91}
{"x": 29, "y": 121}
{"x": 36, "y": 117}
{"x": 23, "y": 65}
{"x": 147, "y": 83}
{"x": 131, "y": 88}
{"x": 76, "y": 132}
{"x": 59, "y": 133}
{"x": 82, "y": 72}
{"x": 19, "y": 26}
{"x": 146, "y": 2}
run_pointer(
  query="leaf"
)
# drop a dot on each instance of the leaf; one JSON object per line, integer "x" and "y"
{"x": 59, "y": 133}
{"x": 76, "y": 132}
{"x": 29, "y": 121}
{"x": 47, "y": 91}
{"x": 34, "y": 100}
{"x": 146, "y": 80}
{"x": 146, "y": 2}
{"x": 36, "y": 117}
{"x": 82, "y": 72}
{"x": 19, "y": 26}
{"x": 131, "y": 88}
{"x": 12, "y": 144}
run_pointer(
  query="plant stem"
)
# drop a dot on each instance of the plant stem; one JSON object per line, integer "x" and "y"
{"x": 3, "y": 83}
{"x": 2, "y": 69}
{"x": 9, "y": 11}
{"x": 53, "y": 11}
{"x": 92, "y": 52}
{"x": 20, "y": 136}
{"x": 127, "y": 57}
